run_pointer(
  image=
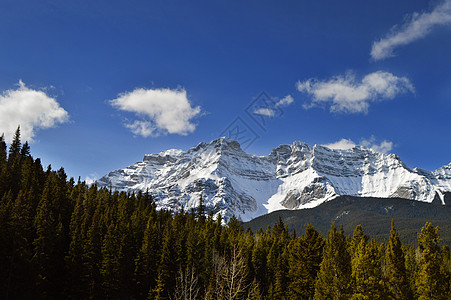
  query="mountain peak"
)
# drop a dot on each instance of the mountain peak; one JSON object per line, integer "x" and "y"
{"x": 233, "y": 182}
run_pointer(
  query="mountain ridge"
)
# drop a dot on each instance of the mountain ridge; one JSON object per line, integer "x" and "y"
{"x": 296, "y": 176}
{"x": 374, "y": 214}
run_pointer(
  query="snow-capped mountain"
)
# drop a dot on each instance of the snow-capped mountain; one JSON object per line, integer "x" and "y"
{"x": 295, "y": 176}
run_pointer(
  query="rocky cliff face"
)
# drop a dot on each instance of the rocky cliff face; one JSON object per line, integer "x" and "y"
{"x": 295, "y": 176}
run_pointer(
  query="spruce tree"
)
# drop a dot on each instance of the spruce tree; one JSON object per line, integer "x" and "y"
{"x": 14, "y": 165}
{"x": 146, "y": 269}
{"x": 366, "y": 272}
{"x": 201, "y": 209}
{"x": 48, "y": 252}
{"x": 395, "y": 267}
{"x": 431, "y": 279}
{"x": 110, "y": 263}
{"x": 15, "y": 147}
{"x": 167, "y": 269}
{"x": 3, "y": 153}
{"x": 305, "y": 256}
{"x": 357, "y": 237}
{"x": 334, "y": 276}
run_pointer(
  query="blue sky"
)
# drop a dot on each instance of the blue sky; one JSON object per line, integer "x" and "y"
{"x": 96, "y": 85}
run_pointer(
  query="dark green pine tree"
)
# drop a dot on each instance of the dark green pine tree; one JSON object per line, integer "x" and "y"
{"x": 6, "y": 244}
{"x": 167, "y": 269}
{"x": 22, "y": 228}
{"x": 74, "y": 259}
{"x": 110, "y": 263}
{"x": 366, "y": 272}
{"x": 92, "y": 244}
{"x": 3, "y": 152}
{"x": 259, "y": 262}
{"x": 15, "y": 147}
{"x": 147, "y": 262}
{"x": 14, "y": 164}
{"x": 281, "y": 276}
{"x": 431, "y": 279}
{"x": 201, "y": 209}
{"x": 305, "y": 256}
{"x": 395, "y": 268}
{"x": 334, "y": 276}
{"x": 3, "y": 165}
{"x": 48, "y": 254}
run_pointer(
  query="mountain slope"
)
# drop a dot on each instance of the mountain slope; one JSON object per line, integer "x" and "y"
{"x": 374, "y": 214}
{"x": 295, "y": 176}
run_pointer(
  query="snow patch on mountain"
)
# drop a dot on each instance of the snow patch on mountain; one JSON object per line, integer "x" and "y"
{"x": 232, "y": 182}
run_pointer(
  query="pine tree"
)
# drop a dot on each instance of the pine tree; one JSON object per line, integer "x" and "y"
{"x": 201, "y": 209}
{"x": 92, "y": 231}
{"x": 167, "y": 269}
{"x": 357, "y": 237}
{"x": 15, "y": 147}
{"x": 3, "y": 153}
{"x": 6, "y": 242}
{"x": 259, "y": 262}
{"x": 48, "y": 253}
{"x": 23, "y": 233}
{"x": 334, "y": 276}
{"x": 14, "y": 164}
{"x": 25, "y": 151}
{"x": 110, "y": 263}
{"x": 430, "y": 279}
{"x": 395, "y": 267}
{"x": 281, "y": 276}
{"x": 367, "y": 272}
{"x": 3, "y": 165}
{"x": 305, "y": 256}
{"x": 74, "y": 259}
{"x": 147, "y": 261}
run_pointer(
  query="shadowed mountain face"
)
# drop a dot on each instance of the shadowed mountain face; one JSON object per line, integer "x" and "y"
{"x": 374, "y": 214}
{"x": 232, "y": 182}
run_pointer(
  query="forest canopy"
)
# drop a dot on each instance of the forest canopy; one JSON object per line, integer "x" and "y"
{"x": 62, "y": 239}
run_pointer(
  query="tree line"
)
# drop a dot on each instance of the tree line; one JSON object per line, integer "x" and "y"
{"x": 63, "y": 239}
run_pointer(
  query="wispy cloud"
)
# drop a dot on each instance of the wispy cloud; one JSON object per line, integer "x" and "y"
{"x": 160, "y": 111}
{"x": 416, "y": 27}
{"x": 31, "y": 109}
{"x": 92, "y": 178}
{"x": 345, "y": 144}
{"x": 287, "y": 100}
{"x": 265, "y": 111}
{"x": 346, "y": 94}
{"x": 383, "y": 147}
{"x": 271, "y": 111}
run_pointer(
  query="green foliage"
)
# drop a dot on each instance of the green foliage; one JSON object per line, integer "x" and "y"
{"x": 395, "y": 268}
{"x": 431, "y": 279}
{"x": 305, "y": 256}
{"x": 366, "y": 272}
{"x": 374, "y": 214}
{"x": 334, "y": 276}
{"x": 63, "y": 239}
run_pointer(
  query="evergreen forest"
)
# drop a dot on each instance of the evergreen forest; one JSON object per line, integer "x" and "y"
{"x": 64, "y": 239}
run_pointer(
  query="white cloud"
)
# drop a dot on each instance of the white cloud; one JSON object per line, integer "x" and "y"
{"x": 287, "y": 100}
{"x": 91, "y": 179}
{"x": 416, "y": 27}
{"x": 162, "y": 111}
{"x": 267, "y": 112}
{"x": 31, "y": 109}
{"x": 345, "y": 144}
{"x": 383, "y": 147}
{"x": 270, "y": 112}
{"x": 347, "y": 95}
